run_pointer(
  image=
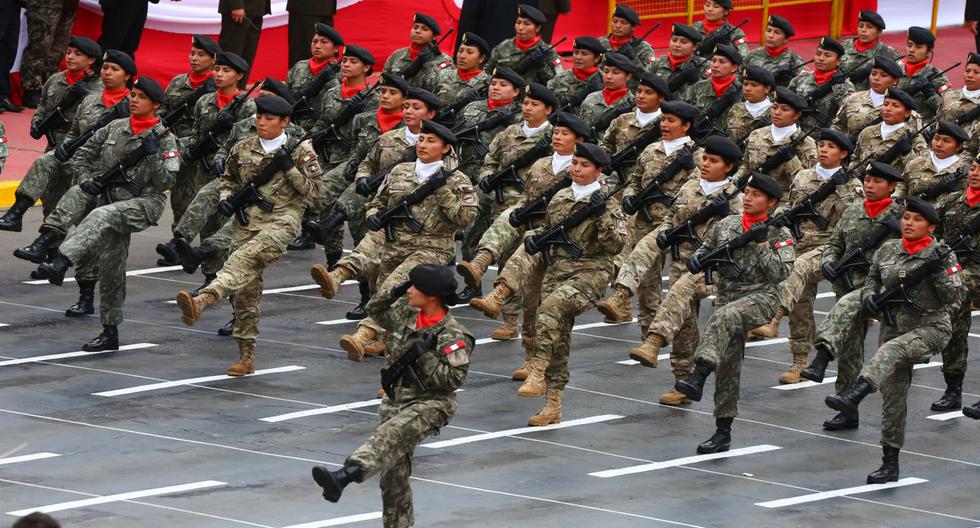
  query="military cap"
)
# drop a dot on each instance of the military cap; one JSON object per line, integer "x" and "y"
{"x": 273, "y": 104}
{"x": 654, "y": 81}
{"x": 589, "y": 44}
{"x": 830, "y": 44}
{"x": 973, "y": 58}
{"x": 727, "y": 4}
{"x": 618, "y": 60}
{"x": 509, "y": 75}
{"x": 427, "y": 21}
{"x": 903, "y": 97}
{"x": 924, "y": 208}
{"x": 838, "y": 138}
{"x": 885, "y": 171}
{"x": 472, "y": 39}
{"x": 781, "y": 24}
{"x": 569, "y": 121}
{"x": 767, "y": 185}
{"x": 686, "y": 111}
{"x": 729, "y": 52}
{"x": 432, "y": 102}
{"x": 436, "y": 281}
{"x": 724, "y": 147}
{"x": 921, "y": 35}
{"x": 121, "y": 59}
{"x": 431, "y": 127}
{"x": 628, "y": 14}
{"x": 151, "y": 88}
{"x": 758, "y": 74}
{"x": 276, "y": 87}
{"x": 686, "y": 31}
{"x": 888, "y": 66}
{"x": 541, "y": 93}
{"x": 393, "y": 80}
{"x": 359, "y": 53}
{"x": 233, "y": 61}
{"x": 951, "y": 129}
{"x": 206, "y": 43}
{"x": 329, "y": 33}
{"x": 788, "y": 97}
{"x": 531, "y": 13}
{"x": 593, "y": 153}
{"x": 872, "y": 17}
{"x": 87, "y": 46}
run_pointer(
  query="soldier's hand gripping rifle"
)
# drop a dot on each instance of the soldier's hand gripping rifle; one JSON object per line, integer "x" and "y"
{"x": 507, "y": 176}
{"x": 368, "y": 186}
{"x": 557, "y": 235}
{"x": 249, "y": 193}
{"x": 447, "y": 115}
{"x": 204, "y": 148}
{"x": 785, "y": 74}
{"x": 629, "y": 49}
{"x": 718, "y": 36}
{"x": 402, "y": 211}
{"x": 403, "y": 368}
{"x": 724, "y": 255}
{"x": 593, "y": 85}
{"x": 901, "y": 293}
{"x": 303, "y": 108}
{"x": 319, "y": 230}
{"x": 687, "y": 232}
{"x": 923, "y": 84}
{"x": 428, "y": 53}
{"x": 948, "y": 182}
{"x": 67, "y": 149}
{"x": 117, "y": 176}
{"x": 654, "y": 191}
{"x": 184, "y": 106}
{"x": 603, "y": 120}
{"x": 826, "y": 89}
{"x": 534, "y": 58}
{"x": 785, "y": 152}
{"x": 353, "y": 106}
{"x": 538, "y": 208}
{"x": 860, "y": 256}
{"x": 690, "y": 73}
{"x": 628, "y": 155}
{"x": 960, "y": 119}
{"x": 807, "y": 209}
{"x": 57, "y": 117}
{"x": 703, "y": 124}
{"x": 960, "y": 243}
{"x": 472, "y": 137}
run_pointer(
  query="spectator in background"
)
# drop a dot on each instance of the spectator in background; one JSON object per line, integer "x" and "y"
{"x": 37, "y": 519}
{"x": 241, "y": 27}
{"x": 304, "y": 15}
{"x": 122, "y": 24}
{"x": 551, "y": 10}
{"x": 972, "y": 16}
{"x": 48, "y": 28}
{"x": 9, "y": 35}
{"x": 491, "y": 19}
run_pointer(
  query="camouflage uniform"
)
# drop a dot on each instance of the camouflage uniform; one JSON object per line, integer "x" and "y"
{"x": 428, "y": 75}
{"x": 567, "y": 87}
{"x": 179, "y": 88}
{"x": 761, "y": 145}
{"x": 956, "y": 213}
{"x": 855, "y": 114}
{"x": 852, "y": 57}
{"x": 594, "y": 107}
{"x": 737, "y": 39}
{"x": 299, "y": 79}
{"x": 49, "y": 24}
{"x": 787, "y": 60}
{"x": 661, "y": 68}
{"x": 920, "y": 174}
{"x": 826, "y": 107}
{"x": 702, "y": 95}
{"x": 643, "y": 57}
{"x": 508, "y": 54}
{"x": 870, "y": 143}
{"x": 51, "y": 94}
{"x": 955, "y": 103}
{"x": 450, "y": 86}
{"x": 739, "y": 122}
{"x": 929, "y": 100}
{"x": 621, "y": 132}
{"x": 505, "y": 148}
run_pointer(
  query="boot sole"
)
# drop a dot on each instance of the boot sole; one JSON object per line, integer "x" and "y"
{"x": 838, "y": 405}
{"x": 811, "y": 377}
{"x": 946, "y": 408}
{"x": 502, "y": 337}
{"x": 542, "y": 424}
{"x": 15, "y": 229}
{"x": 74, "y": 313}
{"x": 186, "y": 304}
{"x": 469, "y": 278}
{"x": 611, "y": 317}
{"x": 882, "y": 481}
{"x": 323, "y": 479}
{"x": 354, "y": 353}
{"x": 322, "y": 277}
{"x": 847, "y": 427}
{"x": 704, "y": 451}
{"x": 643, "y": 361}
{"x": 185, "y": 256}
{"x": 100, "y": 348}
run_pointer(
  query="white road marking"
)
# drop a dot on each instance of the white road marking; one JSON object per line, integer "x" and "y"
{"x": 191, "y": 381}
{"x": 812, "y": 497}
{"x": 84, "y": 503}
{"x": 321, "y": 410}
{"x": 134, "y": 273}
{"x": 487, "y": 340}
{"x": 830, "y": 379}
{"x": 521, "y": 430}
{"x": 942, "y": 417}
{"x": 631, "y": 362}
{"x": 339, "y": 520}
{"x": 305, "y": 287}
{"x": 3, "y": 325}
{"x": 767, "y": 342}
{"x": 80, "y": 353}
{"x": 642, "y": 468}
{"x": 27, "y": 458}
{"x": 334, "y": 322}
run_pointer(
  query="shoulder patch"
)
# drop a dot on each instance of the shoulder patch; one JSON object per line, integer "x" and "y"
{"x": 943, "y": 88}
{"x": 168, "y": 154}
{"x": 453, "y": 347}
{"x": 557, "y": 61}
{"x": 954, "y": 270}
{"x": 3, "y": 139}
{"x": 442, "y": 65}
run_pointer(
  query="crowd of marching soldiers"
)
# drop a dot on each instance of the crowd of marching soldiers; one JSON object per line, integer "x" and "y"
{"x": 759, "y": 176}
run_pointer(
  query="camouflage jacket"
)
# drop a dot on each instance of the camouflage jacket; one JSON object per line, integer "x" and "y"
{"x": 739, "y": 122}
{"x": 568, "y": 88}
{"x": 539, "y": 178}
{"x": 51, "y": 93}
{"x": 954, "y": 104}
{"x": 90, "y": 110}
{"x": 956, "y": 214}
{"x": 366, "y": 133}
{"x": 869, "y": 143}
{"x": 428, "y": 75}
{"x": 737, "y": 39}
{"x": 332, "y": 106}
{"x": 826, "y": 107}
{"x": 299, "y": 79}
{"x": 621, "y": 132}
{"x": 702, "y": 95}
{"x": 761, "y": 145}
{"x": 643, "y": 58}
{"x": 206, "y": 112}
{"x": 450, "y": 86}
{"x": 929, "y": 100}
{"x": 852, "y": 56}
{"x": 3, "y": 146}
{"x": 246, "y": 128}
{"x": 594, "y": 107}
{"x": 388, "y": 151}
{"x": 661, "y": 68}
{"x": 652, "y": 161}
{"x": 852, "y": 228}
{"x": 472, "y": 153}
{"x": 600, "y": 238}
{"x": 806, "y": 183}
{"x": 508, "y": 54}
{"x": 920, "y": 174}
{"x": 785, "y": 61}
{"x": 689, "y": 200}
{"x": 505, "y": 148}
{"x": 179, "y": 88}
{"x": 855, "y": 114}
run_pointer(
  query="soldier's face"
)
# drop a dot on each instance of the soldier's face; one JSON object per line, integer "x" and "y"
{"x": 877, "y": 188}
{"x": 754, "y": 91}
{"x": 353, "y": 67}
{"x": 775, "y": 37}
{"x": 501, "y": 90}
{"x": 322, "y": 48}
{"x": 971, "y": 77}
{"x": 77, "y": 61}
{"x": 563, "y": 140}
{"x": 944, "y": 146}
{"x": 647, "y": 99}
{"x": 613, "y": 78}
{"x": 916, "y": 52}
{"x": 583, "y": 59}
{"x": 713, "y": 12}
{"x": 140, "y": 105}
{"x": 430, "y": 148}
{"x": 620, "y": 27}
{"x": 200, "y": 61}
{"x": 783, "y": 115}
{"x": 824, "y": 60}
{"x": 915, "y": 226}
{"x": 722, "y": 67}
{"x": 417, "y": 299}
{"x": 829, "y": 154}
{"x": 270, "y": 126}
{"x": 881, "y": 81}
{"x": 673, "y": 127}
{"x": 390, "y": 99}
{"x": 756, "y": 203}
{"x": 469, "y": 58}
{"x": 680, "y": 47}
{"x": 714, "y": 168}
{"x": 894, "y": 112}
{"x": 113, "y": 76}
{"x": 973, "y": 177}
{"x": 526, "y": 29}
{"x": 420, "y": 35}
{"x": 413, "y": 112}
{"x": 226, "y": 76}
{"x": 867, "y": 32}
{"x": 583, "y": 171}
{"x": 534, "y": 111}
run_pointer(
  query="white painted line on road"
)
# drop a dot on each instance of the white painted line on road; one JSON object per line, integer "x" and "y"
{"x": 522, "y": 430}
{"x": 942, "y": 417}
{"x": 600, "y": 325}
{"x": 631, "y": 362}
{"x": 27, "y": 458}
{"x": 831, "y": 379}
{"x": 192, "y": 381}
{"x": 304, "y": 287}
{"x": 321, "y": 410}
{"x": 812, "y": 497}
{"x": 134, "y": 273}
{"x": 349, "y": 519}
{"x": 767, "y": 342}
{"x": 84, "y": 503}
{"x": 642, "y": 468}
{"x": 3, "y": 325}
{"x": 334, "y": 322}
{"x": 80, "y": 353}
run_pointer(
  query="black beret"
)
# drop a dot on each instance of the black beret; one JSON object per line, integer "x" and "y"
{"x": 903, "y": 97}
{"x": 589, "y": 44}
{"x": 206, "y": 43}
{"x": 121, "y": 59}
{"x": 973, "y": 58}
{"x": 359, "y": 53}
{"x": 951, "y": 129}
{"x": 686, "y": 111}
{"x": 229, "y": 59}
{"x": 395, "y": 81}
{"x": 888, "y": 66}
{"x": 830, "y": 44}
{"x": 330, "y": 33}
{"x": 618, "y": 60}
{"x": 921, "y": 35}
{"x": 782, "y": 24}
{"x": 569, "y": 121}
{"x": 436, "y": 281}
{"x": 276, "y": 87}
{"x": 765, "y": 184}
{"x": 426, "y": 20}
{"x": 872, "y": 17}
{"x": 472, "y": 39}
{"x": 758, "y": 74}
{"x": 593, "y": 153}
{"x": 724, "y": 147}
{"x": 727, "y": 4}
{"x": 729, "y": 52}
{"x": 924, "y": 208}
{"x": 432, "y": 102}
{"x": 656, "y": 82}
{"x": 628, "y": 14}
{"x": 541, "y": 93}
{"x": 686, "y": 31}
{"x": 87, "y": 46}
{"x": 273, "y": 104}
{"x": 509, "y": 75}
{"x": 531, "y": 13}
{"x": 885, "y": 171}
{"x": 431, "y": 127}
{"x": 838, "y": 138}
{"x": 151, "y": 88}
{"x": 788, "y": 97}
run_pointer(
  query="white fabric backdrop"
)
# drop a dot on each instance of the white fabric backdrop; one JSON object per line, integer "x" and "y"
{"x": 900, "y": 14}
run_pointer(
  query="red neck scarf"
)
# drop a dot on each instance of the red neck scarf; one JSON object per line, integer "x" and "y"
{"x": 775, "y": 52}
{"x": 223, "y": 99}
{"x": 388, "y": 121}
{"x": 317, "y": 66}
{"x": 467, "y": 75}
{"x": 72, "y": 78}
{"x": 720, "y": 85}
{"x": 197, "y": 79}
{"x": 584, "y": 73}
{"x": 861, "y": 47}
{"x": 912, "y": 68}
{"x": 491, "y": 104}
{"x": 876, "y": 207}
{"x": 972, "y": 196}
{"x": 111, "y": 97}
{"x": 821, "y": 77}
{"x": 611, "y": 96}
{"x": 675, "y": 62}
{"x": 748, "y": 221}
{"x": 524, "y": 46}
{"x": 710, "y": 26}
{"x": 617, "y": 43}
{"x": 915, "y": 246}
{"x": 350, "y": 91}
{"x": 425, "y": 321}
{"x": 139, "y": 125}
{"x": 413, "y": 51}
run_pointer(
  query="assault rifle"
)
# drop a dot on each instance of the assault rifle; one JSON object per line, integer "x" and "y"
{"x": 208, "y": 144}
{"x": 654, "y": 191}
{"x": 690, "y": 73}
{"x": 249, "y": 193}
{"x": 368, "y": 186}
{"x": 56, "y": 118}
{"x": 860, "y": 256}
{"x": 302, "y": 107}
{"x": 534, "y": 58}
{"x": 687, "y": 232}
{"x": 785, "y": 75}
{"x": 67, "y": 149}
{"x": 185, "y": 105}
{"x": 629, "y": 49}
{"x": 472, "y": 134}
{"x": 627, "y": 156}
{"x": 557, "y": 235}
{"x": 404, "y": 366}
{"x": 948, "y": 182}
{"x": 785, "y": 152}
{"x": 538, "y": 208}
{"x": 603, "y": 120}
{"x": 319, "y": 230}
{"x": 826, "y": 89}
{"x": 117, "y": 175}
{"x": 722, "y": 35}
{"x": 447, "y": 114}
{"x": 725, "y": 254}
{"x": 402, "y": 212}
{"x": 424, "y": 56}
{"x": 807, "y": 209}
{"x": 960, "y": 120}
{"x": 922, "y": 84}
{"x": 352, "y": 107}
{"x": 507, "y": 176}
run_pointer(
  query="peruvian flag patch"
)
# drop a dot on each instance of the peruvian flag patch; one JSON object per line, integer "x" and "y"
{"x": 453, "y": 347}
{"x": 784, "y": 243}
{"x": 3, "y": 139}
{"x": 170, "y": 154}
{"x": 943, "y": 88}
{"x": 953, "y": 270}
{"x": 740, "y": 41}
{"x": 652, "y": 58}
{"x": 557, "y": 61}
{"x": 443, "y": 65}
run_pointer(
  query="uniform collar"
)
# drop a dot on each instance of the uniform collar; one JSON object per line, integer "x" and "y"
{"x": 644, "y": 118}
{"x": 529, "y": 131}
{"x": 877, "y": 99}
{"x": 560, "y": 162}
{"x": 673, "y": 145}
{"x": 709, "y": 188}
{"x": 972, "y": 95}
{"x": 942, "y": 164}
{"x": 757, "y": 109}
{"x": 887, "y": 130}
{"x": 271, "y": 145}
{"x": 423, "y": 171}
{"x": 781, "y": 133}
{"x": 580, "y": 192}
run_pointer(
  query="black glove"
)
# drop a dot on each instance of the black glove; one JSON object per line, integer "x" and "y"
{"x": 283, "y": 161}
{"x": 662, "y": 240}
{"x": 437, "y": 180}
{"x": 363, "y": 187}
{"x": 934, "y": 264}
{"x": 400, "y": 289}
{"x": 904, "y": 144}
{"x": 949, "y": 180}
{"x": 921, "y": 85}
{"x": 628, "y": 51}
{"x": 350, "y": 171}
{"x": 187, "y": 157}
{"x": 357, "y": 100}
{"x": 224, "y": 120}
{"x": 373, "y": 223}
{"x": 840, "y": 177}
{"x": 686, "y": 157}
{"x": 226, "y": 209}
{"x": 218, "y": 166}
{"x": 150, "y": 144}
{"x": 783, "y": 76}
{"x": 828, "y": 272}
{"x": 61, "y": 153}
{"x": 694, "y": 265}
{"x": 870, "y": 306}
{"x": 426, "y": 54}
{"x": 759, "y": 231}
{"x": 630, "y": 206}
{"x": 597, "y": 204}
{"x": 91, "y": 187}
{"x": 78, "y": 89}
{"x": 36, "y": 130}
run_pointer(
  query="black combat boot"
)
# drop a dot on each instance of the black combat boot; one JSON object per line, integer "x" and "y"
{"x": 842, "y": 422}
{"x": 107, "y": 340}
{"x": 693, "y": 386}
{"x": 359, "y": 312}
{"x": 228, "y": 329}
{"x": 818, "y": 366}
{"x": 847, "y": 402}
{"x": 972, "y": 411}
{"x": 41, "y": 275}
{"x": 303, "y": 241}
{"x": 470, "y": 292}
{"x": 38, "y": 250}
{"x": 191, "y": 257}
{"x": 721, "y": 440}
{"x": 56, "y": 269}
{"x": 888, "y": 472}
{"x": 208, "y": 277}
{"x": 953, "y": 397}
{"x": 86, "y": 299}
{"x": 334, "y": 482}
{"x": 13, "y": 219}
{"x": 319, "y": 230}
{"x": 168, "y": 253}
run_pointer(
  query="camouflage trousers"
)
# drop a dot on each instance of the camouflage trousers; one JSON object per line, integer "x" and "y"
{"x": 49, "y": 25}
{"x": 723, "y": 344}
{"x": 72, "y": 207}
{"x": 502, "y": 239}
{"x": 677, "y": 317}
{"x": 200, "y": 216}
{"x": 890, "y": 371}
{"x": 473, "y": 235}
{"x": 843, "y": 333}
{"x": 641, "y": 273}
{"x": 221, "y": 242}
{"x": 334, "y": 185}
{"x": 524, "y": 275}
{"x": 796, "y": 296}
{"x": 183, "y": 193}
{"x": 960, "y": 315}
{"x": 403, "y": 424}
{"x": 47, "y": 180}
{"x": 363, "y": 261}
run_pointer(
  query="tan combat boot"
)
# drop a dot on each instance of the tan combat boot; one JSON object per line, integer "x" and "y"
{"x": 521, "y": 373}
{"x": 647, "y": 353}
{"x": 329, "y": 281}
{"x": 507, "y": 330}
{"x": 191, "y": 307}
{"x": 246, "y": 360}
{"x": 674, "y": 397}
{"x": 534, "y": 386}
{"x": 767, "y": 331}
{"x": 490, "y": 305}
{"x": 800, "y": 362}
{"x": 551, "y": 413}
{"x": 618, "y": 308}
{"x": 354, "y": 344}
{"x": 375, "y": 348}
{"x": 472, "y": 271}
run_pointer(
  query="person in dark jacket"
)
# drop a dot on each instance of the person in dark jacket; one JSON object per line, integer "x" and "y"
{"x": 241, "y": 26}
{"x": 304, "y": 15}
{"x": 491, "y": 19}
